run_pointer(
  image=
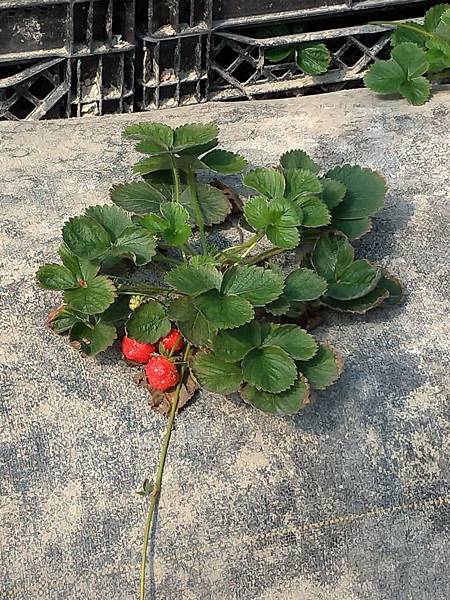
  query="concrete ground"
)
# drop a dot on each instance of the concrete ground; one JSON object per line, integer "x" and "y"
{"x": 350, "y": 500}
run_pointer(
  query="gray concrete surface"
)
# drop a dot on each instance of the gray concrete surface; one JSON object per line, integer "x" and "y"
{"x": 347, "y": 501}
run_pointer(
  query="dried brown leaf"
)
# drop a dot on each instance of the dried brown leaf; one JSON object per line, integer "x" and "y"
{"x": 231, "y": 194}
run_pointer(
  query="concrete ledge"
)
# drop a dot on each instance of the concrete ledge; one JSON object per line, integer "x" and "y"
{"x": 348, "y": 501}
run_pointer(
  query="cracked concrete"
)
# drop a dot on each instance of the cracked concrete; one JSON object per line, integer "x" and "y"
{"x": 350, "y": 500}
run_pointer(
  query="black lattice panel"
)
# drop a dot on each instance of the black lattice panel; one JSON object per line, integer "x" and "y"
{"x": 102, "y": 84}
{"x": 34, "y": 90}
{"x": 174, "y": 71}
{"x": 240, "y": 68}
{"x": 165, "y": 18}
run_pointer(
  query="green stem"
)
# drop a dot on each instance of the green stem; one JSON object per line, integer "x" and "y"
{"x": 404, "y": 26}
{"x": 166, "y": 259}
{"x": 176, "y": 181}
{"x": 156, "y": 491}
{"x": 264, "y": 256}
{"x": 198, "y": 213}
{"x": 257, "y": 238}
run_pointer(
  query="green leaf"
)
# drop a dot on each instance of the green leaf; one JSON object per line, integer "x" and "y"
{"x": 157, "y": 162}
{"x": 85, "y": 237}
{"x": 224, "y": 162}
{"x": 80, "y": 267}
{"x": 111, "y": 218}
{"x": 385, "y": 77}
{"x": 278, "y": 307}
{"x": 270, "y": 369}
{"x": 136, "y": 243}
{"x": 192, "y": 324}
{"x": 56, "y": 277}
{"x": 365, "y": 192}
{"x": 393, "y": 285}
{"x": 332, "y": 254}
{"x": 148, "y": 323}
{"x": 402, "y": 34}
{"x": 299, "y": 159}
{"x": 189, "y": 162}
{"x": 438, "y": 55}
{"x": 158, "y": 137}
{"x": 194, "y": 134}
{"x": 304, "y": 285}
{"x": 275, "y": 54}
{"x": 216, "y": 375}
{"x": 286, "y": 403}
{"x": 194, "y": 279}
{"x": 359, "y": 305}
{"x": 433, "y": 17}
{"x": 279, "y": 54}
{"x": 313, "y": 59}
{"x": 172, "y": 226}
{"x": 285, "y": 213}
{"x": 333, "y": 192}
{"x": 268, "y": 182}
{"x": 443, "y": 27}
{"x": 118, "y": 311}
{"x": 200, "y": 149}
{"x": 417, "y": 91}
{"x": 411, "y": 58}
{"x": 294, "y": 340}
{"x": 93, "y": 340}
{"x": 214, "y": 206}
{"x": 402, "y": 73}
{"x": 93, "y": 297}
{"x": 178, "y": 231}
{"x": 283, "y": 237}
{"x": 232, "y": 345}
{"x": 137, "y": 197}
{"x": 224, "y": 312}
{"x": 355, "y": 228}
{"x": 324, "y": 368}
{"x": 301, "y": 183}
{"x": 315, "y": 212}
{"x": 64, "y": 320}
{"x": 257, "y": 213}
{"x": 257, "y": 285}
{"x": 357, "y": 280}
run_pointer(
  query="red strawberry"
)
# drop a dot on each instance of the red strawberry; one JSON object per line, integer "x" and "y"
{"x": 173, "y": 341}
{"x": 161, "y": 373}
{"x": 138, "y": 352}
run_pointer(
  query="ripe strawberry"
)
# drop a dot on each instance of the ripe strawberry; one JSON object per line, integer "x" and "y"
{"x": 173, "y": 341}
{"x": 161, "y": 373}
{"x": 138, "y": 352}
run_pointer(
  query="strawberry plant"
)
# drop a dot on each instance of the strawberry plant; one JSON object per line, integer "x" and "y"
{"x": 230, "y": 319}
{"x": 420, "y": 55}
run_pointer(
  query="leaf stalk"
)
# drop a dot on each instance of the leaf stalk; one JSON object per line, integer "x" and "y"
{"x": 156, "y": 490}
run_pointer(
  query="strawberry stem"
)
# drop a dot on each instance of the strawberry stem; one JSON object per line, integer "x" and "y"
{"x": 156, "y": 490}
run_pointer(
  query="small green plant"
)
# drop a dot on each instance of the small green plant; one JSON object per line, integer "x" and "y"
{"x": 230, "y": 319}
{"x": 312, "y": 58}
{"x": 420, "y": 55}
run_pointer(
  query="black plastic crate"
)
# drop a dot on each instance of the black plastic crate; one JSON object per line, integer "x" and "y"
{"x": 174, "y": 71}
{"x": 239, "y": 67}
{"x": 38, "y": 28}
{"x": 102, "y": 84}
{"x": 165, "y": 18}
